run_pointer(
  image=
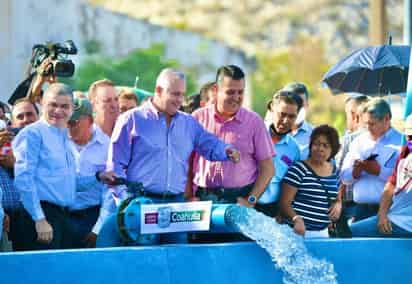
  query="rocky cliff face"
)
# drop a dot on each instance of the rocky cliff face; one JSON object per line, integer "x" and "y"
{"x": 258, "y": 25}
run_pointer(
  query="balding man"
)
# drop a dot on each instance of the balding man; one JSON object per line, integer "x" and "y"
{"x": 152, "y": 144}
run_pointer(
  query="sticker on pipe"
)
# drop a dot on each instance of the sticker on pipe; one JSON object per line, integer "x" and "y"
{"x": 175, "y": 217}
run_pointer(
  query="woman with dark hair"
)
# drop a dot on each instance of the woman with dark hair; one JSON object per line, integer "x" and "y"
{"x": 309, "y": 200}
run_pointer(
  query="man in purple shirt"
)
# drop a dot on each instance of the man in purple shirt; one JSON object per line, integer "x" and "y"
{"x": 152, "y": 144}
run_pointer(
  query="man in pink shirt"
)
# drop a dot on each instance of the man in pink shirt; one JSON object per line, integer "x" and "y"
{"x": 225, "y": 182}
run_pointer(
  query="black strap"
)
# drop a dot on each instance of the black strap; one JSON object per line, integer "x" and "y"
{"x": 328, "y": 197}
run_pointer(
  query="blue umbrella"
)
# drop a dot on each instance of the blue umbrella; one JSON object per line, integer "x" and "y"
{"x": 376, "y": 70}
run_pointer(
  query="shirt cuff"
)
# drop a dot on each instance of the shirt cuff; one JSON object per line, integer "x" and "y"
{"x": 100, "y": 221}
{"x": 37, "y": 216}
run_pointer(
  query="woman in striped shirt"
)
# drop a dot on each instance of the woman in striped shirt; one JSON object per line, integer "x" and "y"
{"x": 309, "y": 189}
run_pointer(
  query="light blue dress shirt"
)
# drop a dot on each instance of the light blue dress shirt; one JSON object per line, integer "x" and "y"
{"x": 287, "y": 153}
{"x": 45, "y": 168}
{"x": 302, "y": 138}
{"x": 144, "y": 149}
{"x": 1, "y": 214}
{"x": 368, "y": 188}
{"x": 91, "y": 158}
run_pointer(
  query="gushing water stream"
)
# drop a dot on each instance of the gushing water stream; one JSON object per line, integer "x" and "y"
{"x": 286, "y": 249}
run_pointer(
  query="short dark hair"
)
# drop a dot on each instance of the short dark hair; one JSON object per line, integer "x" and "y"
{"x": 191, "y": 103}
{"x": 128, "y": 94}
{"x": 378, "y": 108}
{"x": 331, "y": 135}
{"x": 298, "y": 88}
{"x": 288, "y": 97}
{"x": 25, "y": 100}
{"x": 232, "y": 71}
{"x": 358, "y": 99}
{"x": 205, "y": 89}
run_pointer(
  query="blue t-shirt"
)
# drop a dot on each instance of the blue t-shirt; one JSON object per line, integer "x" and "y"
{"x": 313, "y": 196}
{"x": 287, "y": 153}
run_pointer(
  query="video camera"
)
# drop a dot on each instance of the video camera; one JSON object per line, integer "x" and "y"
{"x": 57, "y": 52}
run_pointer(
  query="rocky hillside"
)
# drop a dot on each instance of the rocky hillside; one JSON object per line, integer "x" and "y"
{"x": 258, "y": 25}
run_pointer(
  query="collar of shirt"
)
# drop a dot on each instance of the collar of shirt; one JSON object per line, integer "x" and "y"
{"x": 285, "y": 138}
{"x": 64, "y": 131}
{"x": 150, "y": 108}
{"x": 99, "y": 135}
{"x": 387, "y": 135}
{"x": 239, "y": 116}
{"x": 305, "y": 127}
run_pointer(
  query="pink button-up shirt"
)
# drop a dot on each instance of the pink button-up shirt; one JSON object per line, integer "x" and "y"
{"x": 246, "y": 131}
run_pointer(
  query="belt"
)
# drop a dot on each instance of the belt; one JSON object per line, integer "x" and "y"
{"x": 162, "y": 195}
{"x": 224, "y": 191}
{"x": 84, "y": 212}
{"x": 349, "y": 203}
{"x": 372, "y": 206}
{"x": 64, "y": 209}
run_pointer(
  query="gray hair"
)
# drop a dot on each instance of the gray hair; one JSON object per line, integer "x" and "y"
{"x": 378, "y": 108}
{"x": 169, "y": 75}
{"x": 59, "y": 89}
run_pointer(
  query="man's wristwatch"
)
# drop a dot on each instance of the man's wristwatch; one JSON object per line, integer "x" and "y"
{"x": 252, "y": 199}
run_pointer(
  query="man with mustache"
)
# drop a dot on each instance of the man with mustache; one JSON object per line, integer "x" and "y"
{"x": 285, "y": 107}
{"x": 301, "y": 130}
{"x": 244, "y": 182}
{"x": 24, "y": 112}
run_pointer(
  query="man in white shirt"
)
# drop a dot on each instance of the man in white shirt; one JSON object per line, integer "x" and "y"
{"x": 92, "y": 205}
{"x": 371, "y": 158}
{"x": 105, "y": 102}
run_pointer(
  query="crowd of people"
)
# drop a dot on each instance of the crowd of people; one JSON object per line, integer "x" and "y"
{"x": 58, "y": 178}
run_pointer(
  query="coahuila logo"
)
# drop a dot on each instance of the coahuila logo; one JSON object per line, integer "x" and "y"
{"x": 165, "y": 216}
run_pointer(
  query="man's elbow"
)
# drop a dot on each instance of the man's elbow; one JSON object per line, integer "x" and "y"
{"x": 272, "y": 171}
{"x": 268, "y": 168}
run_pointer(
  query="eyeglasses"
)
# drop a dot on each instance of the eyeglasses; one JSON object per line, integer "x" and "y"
{"x": 320, "y": 144}
{"x": 290, "y": 116}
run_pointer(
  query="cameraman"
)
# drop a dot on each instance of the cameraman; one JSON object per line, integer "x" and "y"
{"x": 24, "y": 112}
{"x": 48, "y": 61}
{"x": 34, "y": 82}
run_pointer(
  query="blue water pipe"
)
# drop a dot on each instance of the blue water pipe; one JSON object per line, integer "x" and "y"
{"x": 123, "y": 227}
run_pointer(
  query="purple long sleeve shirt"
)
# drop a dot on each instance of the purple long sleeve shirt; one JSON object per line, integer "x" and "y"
{"x": 144, "y": 149}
